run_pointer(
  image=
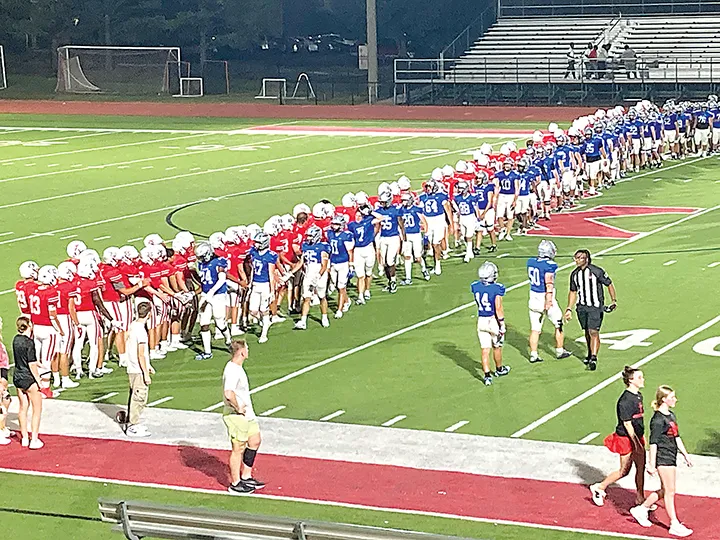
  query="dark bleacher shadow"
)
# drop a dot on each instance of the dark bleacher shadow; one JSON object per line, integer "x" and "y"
{"x": 205, "y": 462}
{"x": 461, "y": 358}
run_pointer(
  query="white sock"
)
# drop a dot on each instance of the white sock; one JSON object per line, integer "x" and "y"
{"x": 124, "y": 358}
{"x": 206, "y": 339}
{"x": 408, "y": 269}
{"x": 303, "y": 319}
{"x": 56, "y": 378}
{"x": 559, "y": 351}
{"x": 175, "y": 339}
{"x": 265, "y": 325}
{"x": 422, "y": 264}
{"x": 324, "y": 317}
{"x": 65, "y": 379}
{"x": 437, "y": 266}
{"x": 533, "y": 354}
{"x": 468, "y": 249}
{"x": 164, "y": 344}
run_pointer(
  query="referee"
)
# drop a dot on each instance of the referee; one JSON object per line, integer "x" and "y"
{"x": 587, "y": 295}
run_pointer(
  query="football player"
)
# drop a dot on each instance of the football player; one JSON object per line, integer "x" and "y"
{"x": 436, "y": 209}
{"x": 594, "y": 150}
{"x": 526, "y": 181}
{"x": 341, "y": 244}
{"x": 485, "y": 204}
{"x": 43, "y": 301}
{"x": 264, "y": 284}
{"x": 67, "y": 318}
{"x": 542, "y": 303}
{"x": 316, "y": 260}
{"x": 491, "y": 319}
{"x": 363, "y": 232}
{"x": 413, "y": 224}
{"x": 506, "y": 193}
{"x": 213, "y": 296}
{"x": 465, "y": 208}
{"x": 392, "y": 235}
{"x": 25, "y": 286}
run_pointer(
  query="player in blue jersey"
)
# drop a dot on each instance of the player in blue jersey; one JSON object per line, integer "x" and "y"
{"x": 634, "y": 127}
{"x": 264, "y": 286}
{"x": 684, "y": 123}
{"x": 491, "y": 319}
{"x": 341, "y": 244}
{"x": 593, "y": 148}
{"x": 714, "y": 109}
{"x": 363, "y": 231}
{"x": 466, "y": 210}
{"x": 412, "y": 249}
{"x": 506, "y": 193}
{"x": 566, "y": 164}
{"x": 436, "y": 210}
{"x": 392, "y": 235}
{"x": 526, "y": 186}
{"x": 213, "y": 301}
{"x": 541, "y": 274}
{"x": 316, "y": 261}
{"x": 485, "y": 204}
{"x": 703, "y": 118}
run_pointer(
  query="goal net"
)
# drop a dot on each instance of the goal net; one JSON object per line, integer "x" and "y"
{"x": 191, "y": 87}
{"x": 3, "y": 78}
{"x": 89, "y": 69}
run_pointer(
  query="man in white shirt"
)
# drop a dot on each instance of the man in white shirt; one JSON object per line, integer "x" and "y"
{"x": 138, "y": 369}
{"x": 241, "y": 422}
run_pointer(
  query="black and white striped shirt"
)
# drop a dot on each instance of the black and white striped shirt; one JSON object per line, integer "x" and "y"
{"x": 588, "y": 284}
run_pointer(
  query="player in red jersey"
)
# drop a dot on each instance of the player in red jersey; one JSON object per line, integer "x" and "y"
{"x": 154, "y": 269}
{"x": 238, "y": 247}
{"x": 348, "y": 207}
{"x": 27, "y": 284}
{"x": 406, "y": 188}
{"x": 66, "y": 285}
{"x": 183, "y": 258}
{"x": 74, "y": 249}
{"x": 43, "y": 302}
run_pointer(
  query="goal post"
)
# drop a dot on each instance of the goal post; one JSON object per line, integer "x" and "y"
{"x": 191, "y": 87}
{"x": 84, "y": 69}
{"x": 216, "y": 76}
{"x": 3, "y": 77}
{"x": 273, "y": 89}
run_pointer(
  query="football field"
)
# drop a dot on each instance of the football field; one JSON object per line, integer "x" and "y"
{"x": 409, "y": 360}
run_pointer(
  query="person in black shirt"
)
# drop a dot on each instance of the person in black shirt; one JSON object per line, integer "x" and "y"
{"x": 665, "y": 442}
{"x": 25, "y": 379}
{"x": 628, "y": 439}
{"x": 587, "y": 295}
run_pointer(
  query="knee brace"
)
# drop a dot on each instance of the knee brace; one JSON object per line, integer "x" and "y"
{"x": 249, "y": 457}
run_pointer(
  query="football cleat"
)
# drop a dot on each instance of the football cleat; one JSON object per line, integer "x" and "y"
{"x": 592, "y": 364}
{"x": 535, "y": 359}
{"x": 241, "y": 488}
{"x": 492, "y": 249}
{"x": 406, "y": 282}
{"x": 502, "y": 371}
{"x": 393, "y": 287}
{"x": 426, "y": 275}
{"x": 203, "y": 356}
{"x": 301, "y": 325}
{"x": 360, "y": 301}
{"x": 257, "y": 484}
{"x": 598, "y": 495}
{"x": 263, "y": 339}
{"x": 564, "y": 354}
{"x": 487, "y": 381}
{"x": 325, "y": 322}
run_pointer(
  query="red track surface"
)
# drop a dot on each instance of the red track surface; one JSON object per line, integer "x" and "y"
{"x": 555, "y": 504}
{"x": 268, "y": 110}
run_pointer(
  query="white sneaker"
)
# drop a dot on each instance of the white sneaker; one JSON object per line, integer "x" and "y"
{"x": 4, "y": 441}
{"x": 25, "y": 443}
{"x": 466, "y": 259}
{"x": 106, "y": 370}
{"x": 325, "y": 322}
{"x": 598, "y": 495}
{"x": 277, "y": 319}
{"x": 678, "y": 529}
{"x": 78, "y": 375}
{"x": 508, "y": 238}
{"x": 640, "y": 513}
{"x": 69, "y": 383}
{"x": 502, "y": 234}
{"x": 36, "y": 444}
{"x": 156, "y": 355}
{"x": 179, "y": 346}
{"x": 218, "y": 335}
{"x": 339, "y": 314}
{"x": 346, "y": 306}
{"x": 360, "y": 301}
{"x": 445, "y": 255}
{"x": 263, "y": 339}
{"x": 170, "y": 348}
{"x": 5, "y": 432}
{"x": 236, "y": 331}
{"x": 137, "y": 431}
{"x": 367, "y": 295}
{"x": 301, "y": 325}
{"x": 98, "y": 374}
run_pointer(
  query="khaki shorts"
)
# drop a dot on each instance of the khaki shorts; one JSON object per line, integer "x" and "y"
{"x": 240, "y": 429}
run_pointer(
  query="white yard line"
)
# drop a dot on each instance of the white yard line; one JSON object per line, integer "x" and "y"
{"x": 625, "y": 261}
{"x": 99, "y": 238}
{"x": 394, "y": 420}
{"x": 587, "y": 438}
{"x": 7, "y": 291}
{"x": 104, "y": 397}
{"x": 229, "y": 195}
{"x": 131, "y": 240}
{"x": 8, "y": 233}
{"x": 607, "y": 382}
{"x": 160, "y": 401}
{"x": 331, "y": 416}
{"x": 272, "y": 411}
{"x": 457, "y": 425}
{"x": 213, "y": 407}
{"x": 462, "y": 307}
{"x": 713, "y": 265}
{"x": 669, "y": 263}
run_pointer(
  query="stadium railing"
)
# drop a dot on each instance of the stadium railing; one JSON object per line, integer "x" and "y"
{"x": 552, "y": 8}
{"x": 141, "y": 519}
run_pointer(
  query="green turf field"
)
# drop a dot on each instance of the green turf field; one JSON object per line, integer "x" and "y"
{"x": 413, "y": 354}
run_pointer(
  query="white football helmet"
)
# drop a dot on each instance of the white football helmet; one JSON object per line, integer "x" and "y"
{"x": 436, "y": 174}
{"x": 129, "y": 253}
{"x": 361, "y": 198}
{"x": 153, "y": 240}
{"x": 512, "y": 146}
{"x": 348, "y": 200}
{"x": 448, "y": 171}
{"x": 558, "y": 133}
{"x": 552, "y": 127}
{"x": 382, "y": 188}
{"x": 111, "y": 255}
{"x": 204, "y": 251}
{"x": 404, "y": 183}
{"x": 394, "y": 188}
{"x": 328, "y": 210}
{"x": 483, "y": 160}
{"x": 600, "y": 113}
{"x": 318, "y": 210}
{"x": 537, "y": 136}
{"x": 253, "y": 230}
{"x": 300, "y": 208}
{"x": 505, "y": 150}
{"x": 231, "y": 235}
{"x": 547, "y": 249}
{"x": 288, "y": 222}
{"x": 243, "y": 233}
{"x": 92, "y": 257}
{"x": 461, "y": 166}
{"x": 488, "y": 272}
{"x": 486, "y": 148}
{"x": 48, "y": 274}
{"x": 145, "y": 256}
{"x": 85, "y": 269}
{"x": 217, "y": 240}
{"x": 75, "y": 248}
{"x": 67, "y": 270}
{"x": 158, "y": 253}
{"x": 29, "y": 270}
{"x": 270, "y": 227}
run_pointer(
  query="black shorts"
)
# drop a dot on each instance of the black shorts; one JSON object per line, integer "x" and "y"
{"x": 590, "y": 318}
{"x": 23, "y": 383}
{"x": 4, "y": 373}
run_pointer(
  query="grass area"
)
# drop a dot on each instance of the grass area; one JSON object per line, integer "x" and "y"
{"x": 110, "y": 188}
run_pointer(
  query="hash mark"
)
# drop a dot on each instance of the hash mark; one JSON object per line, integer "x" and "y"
{"x": 273, "y": 410}
{"x": 159, "y": 401}
{"x": 673, "y": 261}
{"x": 394, "y": 421}
{"x": 68, "y": 237}
{"x": 332, "y": 415}
{"x": 457, "y": 426}
{"x": 713, "y": 265}
{"x": 295, "y": 171}
{"x": 588, "y": 438}
{"x": 104, "y": 397}
{"x": 625, "y": 261}
{"x": 213, "y": 407}
{"x": 502, "y": 255}
{"x": 101, "y": 238}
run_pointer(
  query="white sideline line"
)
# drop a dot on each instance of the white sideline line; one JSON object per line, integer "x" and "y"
{"x": 53, "y": 165}
{"x": 295, "y": 171}
{"x": 226, "y": 196}
{"x": 183, "y": 175}
{"x": 7, "y": 291}
{"x": 159, "y": 401}
{"x": 332, "y": 415}
{"x": 131, "y": 240}
{"x": 30, "y": 164}
{"x": 668, "y": 263}
{"x": 270, "y": 171}
{"x": 388, "y": 510}
{"x": 273, "y": 410}
{"x": 394, "y": 420}
{"x": 148, "y": 167}
{"x": 713, "y": 265}
{"x": 104, "y": 397}
{"x": 625, "y": 261}
{"x": 607, "y": 382}
{"x": 101, "y": 238}
{"x": 457, "y": 425}
{"x": 213, "y": 407}
{"x": 462, "y": 307}
{"x": 321, "y": 172}
{"x": 503, "y": 255}
{"x": 587, "y": 438}
{"x": 8, "y": 233}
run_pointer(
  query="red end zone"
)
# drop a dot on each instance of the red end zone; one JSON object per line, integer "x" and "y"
{"x": 535, "y": 503}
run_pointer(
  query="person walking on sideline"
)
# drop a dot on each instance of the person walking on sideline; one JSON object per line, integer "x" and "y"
{"x": 628, "y": 438}
{"x": 665, "y": 442}
{"x": 26, "y": 379}
{"x": 570, "y": 56}
{"x": 240, "y": 421}
{"x": 138, "y": 369}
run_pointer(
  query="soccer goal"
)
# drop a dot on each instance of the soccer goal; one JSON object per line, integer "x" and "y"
{"x": 273, "y": 89}
{"x": 191, "y": 87}
{"x": 3, "y": 77}
{"x": 216, "y": 76}
{"x": 86, "y": 69}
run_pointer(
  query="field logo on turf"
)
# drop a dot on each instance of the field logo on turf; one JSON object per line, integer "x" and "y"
{"x": 591, "y": 224}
